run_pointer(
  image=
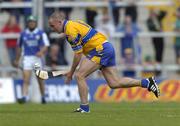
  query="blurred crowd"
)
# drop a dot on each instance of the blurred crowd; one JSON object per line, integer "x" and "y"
{"x": 106, "y": 20}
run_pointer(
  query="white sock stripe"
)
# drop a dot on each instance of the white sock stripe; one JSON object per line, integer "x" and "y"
{"x": 152, "y": 87}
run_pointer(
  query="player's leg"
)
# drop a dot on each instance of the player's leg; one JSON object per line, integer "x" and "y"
{"x": 86, "y": 67}
{"x": 25, "y": 86}
{"x": 42, "y": 90}
{"x": 114, "y": 81}
{"x": 110, "y": 73}
{"x": 26, "y": 81}
{"x": 37, "y": 60}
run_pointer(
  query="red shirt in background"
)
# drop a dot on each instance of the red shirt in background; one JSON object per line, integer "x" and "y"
{"x": 11, "y": 43}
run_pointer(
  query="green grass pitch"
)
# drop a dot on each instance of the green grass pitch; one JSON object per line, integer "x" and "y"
{"x": 109, "y": 114}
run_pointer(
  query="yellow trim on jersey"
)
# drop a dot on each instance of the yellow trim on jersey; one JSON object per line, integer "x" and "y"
{"x": 96, "y": 59}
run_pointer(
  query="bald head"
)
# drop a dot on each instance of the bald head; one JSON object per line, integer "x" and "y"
{"x": 57, "y": 15}
{"x": 56, "y": 21}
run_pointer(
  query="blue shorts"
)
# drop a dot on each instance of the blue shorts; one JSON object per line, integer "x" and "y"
{"x": 103, "y": 55}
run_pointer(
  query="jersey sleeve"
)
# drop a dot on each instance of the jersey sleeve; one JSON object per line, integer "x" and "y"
{"x": 44, "y": 41}
{"x": 20, "y": 41}
{"x": 74, "y": 39}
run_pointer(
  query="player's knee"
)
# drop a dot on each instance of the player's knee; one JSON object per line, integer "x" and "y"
{"x": 79, "y": 75}
{"x": 112, "y": 86}
{"x": 26, "y": 82}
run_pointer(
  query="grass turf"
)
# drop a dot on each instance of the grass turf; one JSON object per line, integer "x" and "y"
{"x": 111, "y": 114}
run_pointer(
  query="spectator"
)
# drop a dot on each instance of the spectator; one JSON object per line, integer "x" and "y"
{"x": 52, "y": 58}
{"x": 18, "y": 12}
{"x": 26, "y": 11}
{"x": 62, "y": 46}
{"x": 59, "y": 41}
{"x": 130, "y": 31}
{"x": 11, "y": 27}
{"x": 91, "y": 13}
{"x": 177, "y": 40}
{"x": 129, "y": 62}
{"x": 49, "y": 11}
{"x": 128, "y": 46}
{"x": 154, "y": 24}
{"x": 131, "y": 10}
{"x": 115, "y": 11}
{"x": 15, "y": 11}
{"x": 104, "y": 24}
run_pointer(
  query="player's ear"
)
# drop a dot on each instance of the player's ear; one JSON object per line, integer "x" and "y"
{"x": 60, "y": 22}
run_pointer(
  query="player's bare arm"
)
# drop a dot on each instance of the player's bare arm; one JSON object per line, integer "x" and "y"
{"x": 76, "y": 60}
{"x": 18, "y": 56}
{"x": 42, "y": 51}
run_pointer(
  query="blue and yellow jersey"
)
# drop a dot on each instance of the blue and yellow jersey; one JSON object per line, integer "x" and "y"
{"x": 82, "y": 37}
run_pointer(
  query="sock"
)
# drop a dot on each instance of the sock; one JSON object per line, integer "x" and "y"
{"x": 43, "y": 97}
{"x": 145, "y": 83}
{"x": 85, "y": 107}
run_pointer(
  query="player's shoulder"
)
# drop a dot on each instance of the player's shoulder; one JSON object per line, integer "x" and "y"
{"x": 70, "y": 23}
{"x": 23, "y": 32}
{"x": 78, "y": 21}
{"x": 70, "y": 26}
{"x": 39, "y": 31}
{"x": 75, "y": 22}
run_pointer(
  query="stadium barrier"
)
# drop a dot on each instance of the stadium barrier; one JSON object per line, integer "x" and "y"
{"x": 82, "y": 4}
{"x": 57, "y": 91}
{"x": 114, "y": 35}
{"x": 7, "y": 92}
{"x": 138, "y": 68}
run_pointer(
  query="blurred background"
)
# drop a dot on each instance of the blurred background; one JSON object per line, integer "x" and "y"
{"x": 145, "y": 34}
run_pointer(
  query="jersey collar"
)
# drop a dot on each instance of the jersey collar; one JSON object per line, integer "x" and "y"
{"x": 64, "y": 25}
{"x": 34, "y": 31}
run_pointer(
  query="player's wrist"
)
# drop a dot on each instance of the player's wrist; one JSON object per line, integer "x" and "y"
{"x": 71, "y": 72}
{"x": 40, "y": 54}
